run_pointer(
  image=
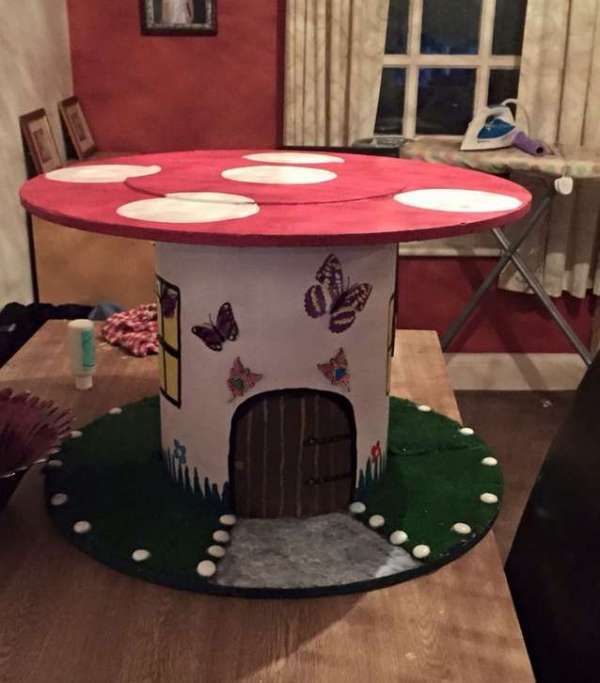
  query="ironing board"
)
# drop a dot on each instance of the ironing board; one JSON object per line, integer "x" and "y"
{"x": 571, "y": 162}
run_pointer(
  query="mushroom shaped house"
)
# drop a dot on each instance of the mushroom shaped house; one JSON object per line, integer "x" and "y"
{"x": 276, "y": 299}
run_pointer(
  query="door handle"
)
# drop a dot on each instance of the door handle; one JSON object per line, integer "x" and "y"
{"x": 315, "y": 481}
{"x": 323, "y": 440}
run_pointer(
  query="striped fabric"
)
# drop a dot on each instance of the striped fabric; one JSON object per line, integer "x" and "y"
{"x": 134, "y": 330}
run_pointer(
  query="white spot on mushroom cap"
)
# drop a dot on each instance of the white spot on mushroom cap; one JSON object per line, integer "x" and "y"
{"x": 376, "y": 521}
{"x": 76, "y": 434}
{"x": 357, "y": 508}
{"x": 488, "y": 498}
{"x": 221, "y": 536}
{"x": 82, "y": 527}
{"x": 489, "y": 461}
{"x": 467, "y": 201}
{"x": 421, "y": 551}
{"x": 461, "y": 528}
{"x": 206, "y": 568}
{"x": 101, "y": 173}
{"x": 190, "y": 207}
{"x": 216, "y": 551}
{"x": 59, "y": 499}
{"x": 115, "y": 411}
{"x": 279, "y": 175}
{"x": 294, "y": 158}
{"x": 398, "y": 537}
{"x": 140, "y": 555}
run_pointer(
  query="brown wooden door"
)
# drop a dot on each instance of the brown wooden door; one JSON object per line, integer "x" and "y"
{"x": 293, "y": 454}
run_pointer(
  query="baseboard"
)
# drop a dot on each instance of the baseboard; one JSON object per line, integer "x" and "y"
{"x": 515, "y": 371}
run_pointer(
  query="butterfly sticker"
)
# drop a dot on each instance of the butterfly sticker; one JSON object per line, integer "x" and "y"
{"x": 341, "y": 300}
{"x": 168, "y": 298}
{"x": 336, "y": 370}
{"x": 214, "y": 335}
{"x": 241, "y": 379}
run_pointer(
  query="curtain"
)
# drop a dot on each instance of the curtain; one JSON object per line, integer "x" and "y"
{"x": 334, "y": 56}
{"x": 559, "y": 93}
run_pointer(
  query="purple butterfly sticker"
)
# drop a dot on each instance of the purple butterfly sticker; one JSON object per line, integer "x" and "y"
{"x": 168, "y": 301}
{"x": 341, "y": 300}
{"x": 214, "y": 335}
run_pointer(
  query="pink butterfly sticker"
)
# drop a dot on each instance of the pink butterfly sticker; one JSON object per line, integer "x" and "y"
{"x": 336, "y": 370}
{"x": 241, "y": 379}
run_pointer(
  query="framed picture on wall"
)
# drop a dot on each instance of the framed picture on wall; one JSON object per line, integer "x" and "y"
{"x": 39, "y": 141}
{"x": 77, "y": 127}
{"x": 178, "y": 17}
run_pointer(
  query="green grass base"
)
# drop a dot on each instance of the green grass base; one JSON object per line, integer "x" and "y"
{"x": 116, "y": 480}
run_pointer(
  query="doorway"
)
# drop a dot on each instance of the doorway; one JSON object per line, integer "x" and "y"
{"x": 292, "y": 454}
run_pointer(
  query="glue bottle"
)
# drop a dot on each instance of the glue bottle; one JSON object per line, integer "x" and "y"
{"x": 82, "y": 351}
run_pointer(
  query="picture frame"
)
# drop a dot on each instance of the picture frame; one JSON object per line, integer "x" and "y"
{"x": 40, "y": 143}
{"x": 76, "y": 127}
{"x": 178, "y": 17}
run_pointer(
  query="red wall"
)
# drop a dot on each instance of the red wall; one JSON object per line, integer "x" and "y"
{"x": 154, "y": 93}
{"x": 433, "y": 291}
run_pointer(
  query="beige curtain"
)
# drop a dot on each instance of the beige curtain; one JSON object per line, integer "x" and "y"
{"x": 334, "y": 56}
{"x": 560, "y": 91}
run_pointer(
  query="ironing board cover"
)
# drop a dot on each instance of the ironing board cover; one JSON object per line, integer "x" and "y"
{"x": 576, "y": 162}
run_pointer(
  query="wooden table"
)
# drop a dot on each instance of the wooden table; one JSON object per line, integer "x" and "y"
{"x": 66, "y": 618}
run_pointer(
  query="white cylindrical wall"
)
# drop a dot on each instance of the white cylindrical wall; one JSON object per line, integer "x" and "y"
{"x": 266, "y": 287}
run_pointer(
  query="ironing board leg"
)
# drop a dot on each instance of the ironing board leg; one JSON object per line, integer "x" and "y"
{"x": 507, "y": 252}
{"x": 539, "y": 290}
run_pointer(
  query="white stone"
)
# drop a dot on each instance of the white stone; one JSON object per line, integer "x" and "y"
{"x": 101, "y": 173}
{"x": 59, "y": 499}
{"x": 279, "y": 175}
{"x": 216, "y": 551}
{"x": 424, "y": 408}
{"x": 421, "y": 551}
{"x": 206, "y": 568}
{"x": 376, "y": 521}
{"x": 190, "y": 207}
{"x": 466, "y": 431}
{"x": 398, "y": 537}
{"x": 489, "y": 461}
{"x": 115, "y": 411}
{"x": 488, "y": 498}
{"x": 227, "y": 520}
{"x": 221, "y": 536}
{"x": 467, "y": 201}
{"x": 82, "y": 527}
{"x": 76, "y": 434}
{"x": 54, "y": 464}
{"x": 357, "y": 508}
{"x": 140, "y": 555}
{"x": 294, "y": 158}
{"x": 461, "y": 528}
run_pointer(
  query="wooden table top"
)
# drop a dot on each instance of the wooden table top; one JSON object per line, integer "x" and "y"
{"x": 65, "y": 617}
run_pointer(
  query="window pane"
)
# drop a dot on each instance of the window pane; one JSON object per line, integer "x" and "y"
{"x": 504, "y": 83}
{"x": 450, "y": 27}
{"x": 508, "y": 27}
{"x": 397, "y": 28}
{"x": 390, "y": 111}
{"x": 445, "y": 104}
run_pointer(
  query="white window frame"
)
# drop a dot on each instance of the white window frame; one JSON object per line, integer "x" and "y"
{"x": 483, "y": 62}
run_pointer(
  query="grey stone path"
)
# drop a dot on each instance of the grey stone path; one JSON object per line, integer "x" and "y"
{"x": 315, "y": 551}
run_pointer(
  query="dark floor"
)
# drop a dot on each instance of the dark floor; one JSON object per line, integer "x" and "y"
{"x": 519, "y": 427}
